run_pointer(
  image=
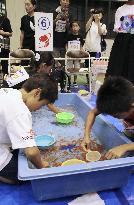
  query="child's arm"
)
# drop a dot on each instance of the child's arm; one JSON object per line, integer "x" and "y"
{"x": 33, "y": 154}
{"x": 53, "y": 108}
{"x": 88, "y": 126}
{"x": 4, "y": 33}
{"x": 21, "y": 38}
{"x": 88, "y": 24}
{"x": 81, "y": 48}
{"x": 66, "y": 46}
{"x": 119, "y": 151}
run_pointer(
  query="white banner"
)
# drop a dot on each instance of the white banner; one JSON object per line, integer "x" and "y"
{"x": 43, "y": 31}
{"x": 73, "y": 45}
{"x": 18, "y": 77}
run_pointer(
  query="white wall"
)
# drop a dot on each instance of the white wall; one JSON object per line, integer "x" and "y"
{"x": 15, "y": 10}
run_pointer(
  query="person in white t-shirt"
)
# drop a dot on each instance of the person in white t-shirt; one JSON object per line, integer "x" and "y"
{"x": 16, "y": 123}
{"x": 121, "y": 61}
{"x": 95, "y": 30}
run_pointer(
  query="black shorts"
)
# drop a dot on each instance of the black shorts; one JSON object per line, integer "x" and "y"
{"x": 10, "y": 171}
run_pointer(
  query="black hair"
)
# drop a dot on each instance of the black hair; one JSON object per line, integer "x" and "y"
{"x": 48, "y": 86}
{"x": 74, "y": 21}
{"x": 96, "y": 11}
{"x": 115, "y": 96}
{"x": 43, "y": 57}
{"x": 33, "y": 2}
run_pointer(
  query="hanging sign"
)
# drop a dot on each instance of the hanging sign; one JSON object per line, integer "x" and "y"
{"x": 43, "y": 31}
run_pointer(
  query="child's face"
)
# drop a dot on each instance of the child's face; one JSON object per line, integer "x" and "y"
{"x": 75, "y": 28}
{"x": 29, "y": 6}
{"x": 64, "y": 3}
{"x": 33, "y": 101}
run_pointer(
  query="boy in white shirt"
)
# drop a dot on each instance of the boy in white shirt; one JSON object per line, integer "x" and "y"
{"x": 16, "y": 123}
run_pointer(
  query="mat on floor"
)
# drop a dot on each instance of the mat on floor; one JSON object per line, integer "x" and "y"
{"x": 22, "y": 194}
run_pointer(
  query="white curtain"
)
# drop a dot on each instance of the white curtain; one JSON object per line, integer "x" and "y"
{"x": 15, "y": 10}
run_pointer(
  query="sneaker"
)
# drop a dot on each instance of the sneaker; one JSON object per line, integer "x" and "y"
{"x": 75, "y": 85}
{"x": 69, "y": 91}
{"x": 63, "y": 91}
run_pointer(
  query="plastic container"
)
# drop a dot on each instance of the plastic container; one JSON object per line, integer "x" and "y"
{"x": 93, "y": 156}
{"x": 72, "y": 162}
{"x": 44, "y": 141}
{"x": 64, "y": 117}
{"x": 83, "y": 92}
{"x": 56, "y": 182}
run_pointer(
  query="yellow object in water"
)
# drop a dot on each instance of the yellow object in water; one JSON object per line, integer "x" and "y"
{"x": 83, "y": 92}
{"x": 93, "y": 156}
{"x": 72, "y": 162}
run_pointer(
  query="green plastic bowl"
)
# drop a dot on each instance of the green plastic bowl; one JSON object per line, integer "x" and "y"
{"x": 64, "y": 117}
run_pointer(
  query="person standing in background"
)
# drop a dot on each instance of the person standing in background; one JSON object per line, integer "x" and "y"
{"x": 5, "y": 34}
{"x": 27, "y": 36}
{"x": 95, "y": 30}
{"x": 121, "y": 61}
{"x": 62, "y": 21}
{"x": 74, "y": 38}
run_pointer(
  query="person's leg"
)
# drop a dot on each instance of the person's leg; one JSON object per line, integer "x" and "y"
{"x": 62, "y": 55}
{"x": 69, "y": 66}
{"x": 118, "y": 56}
{"x": 76, "y": 65}
{"x": 92, "y": 54}
{"x": 76, "y": 69}
{"x": 75, "y": 81}
{"x": 56, "y": 54}
{"x": 69, "y": 84}
{"x": 10, "y": 172}
{"x": 62, "y": 81}
{"x": 4, "y": 63}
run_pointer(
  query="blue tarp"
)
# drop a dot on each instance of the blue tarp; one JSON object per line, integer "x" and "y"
{"x": 22, "y": 194}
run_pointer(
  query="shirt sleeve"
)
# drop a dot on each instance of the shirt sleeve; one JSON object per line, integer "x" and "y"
{"x": 117, "y": 21}
{"x": 6, "y": 25}
{"x": 20, "y": 132}
{"x": 22, "y": 23}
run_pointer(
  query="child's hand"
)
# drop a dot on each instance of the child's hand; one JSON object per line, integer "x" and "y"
{"x": 86, "y": 144}
{"x": 6, "y": 76}
{"x": 45, "y": 164}
{"x": 1, "y": 32}
{"x": 116, "y": 152}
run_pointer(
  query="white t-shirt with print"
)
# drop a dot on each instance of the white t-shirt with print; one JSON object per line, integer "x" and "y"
{"x": 123, "y": 11}
{"x": 93, "y": 38}
{"x": 15, "y": 124}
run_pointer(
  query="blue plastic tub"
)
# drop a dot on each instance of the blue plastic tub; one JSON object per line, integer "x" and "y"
{"x": 56, "y": 182}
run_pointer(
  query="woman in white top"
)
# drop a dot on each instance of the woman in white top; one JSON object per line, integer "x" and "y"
{"x": 95, "y": 30}
{"x": 121, "y": 60}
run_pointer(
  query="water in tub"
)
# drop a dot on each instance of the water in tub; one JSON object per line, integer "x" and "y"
{"x": 68, "y": 137}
